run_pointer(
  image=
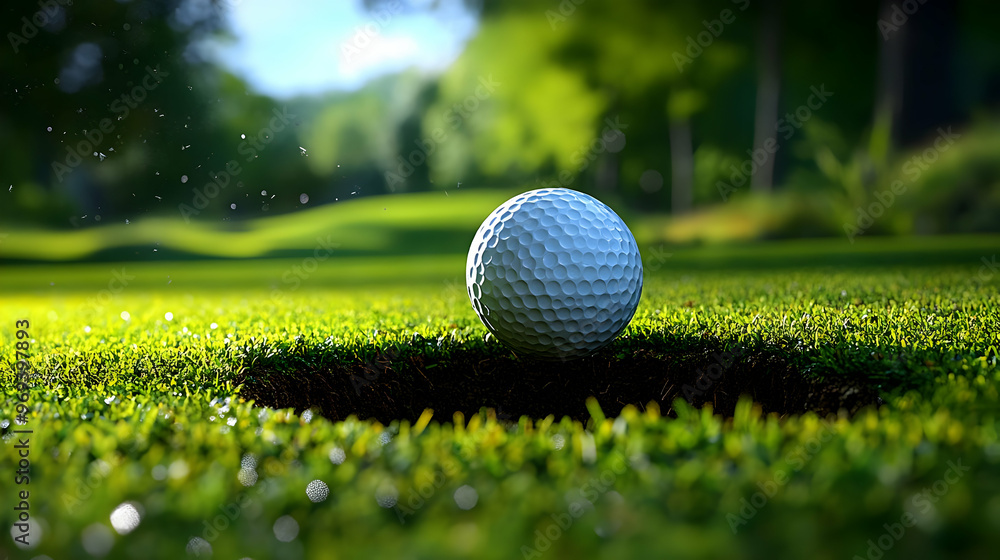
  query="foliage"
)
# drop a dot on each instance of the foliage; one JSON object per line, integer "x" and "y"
{"x": 561, "y": 72}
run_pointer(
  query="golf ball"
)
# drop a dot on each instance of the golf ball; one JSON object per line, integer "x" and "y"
{"x": 554, "y": 273}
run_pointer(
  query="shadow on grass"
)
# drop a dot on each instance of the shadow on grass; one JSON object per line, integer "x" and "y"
{"x": 400, "y": 384}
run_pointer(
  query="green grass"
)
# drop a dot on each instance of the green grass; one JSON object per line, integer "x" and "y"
{"x": 918, "y": 328}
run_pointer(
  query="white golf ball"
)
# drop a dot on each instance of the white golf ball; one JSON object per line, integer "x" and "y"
{"x": 554, "y": 273}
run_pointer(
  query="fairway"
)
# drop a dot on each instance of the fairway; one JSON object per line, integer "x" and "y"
{"x": 370, "y": 382}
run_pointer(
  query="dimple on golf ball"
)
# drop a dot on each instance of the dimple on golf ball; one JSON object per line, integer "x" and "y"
{"x": 554, "y": 274}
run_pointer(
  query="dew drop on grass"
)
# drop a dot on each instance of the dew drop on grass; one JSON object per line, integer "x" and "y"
{"x": 249, "y": 461}
{"x": 466, "y": 497}
{"x": 386, "y": 495}
{"x": 337, "y": 456}
{"x": 125, "y": 518}
{"x": 178, "y": 469}
{"x": 286, "y": 528}
{"x": 97, "y": 539}
{"x": 125, "y": 315}
{"x": 317, "y": 491}
{"x": 198, "y": 546}
{"x": 159, "y": 472}
{"x": 247, "y": 477}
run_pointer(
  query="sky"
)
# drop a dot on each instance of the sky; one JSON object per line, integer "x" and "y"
{"x": 295, "y": 47}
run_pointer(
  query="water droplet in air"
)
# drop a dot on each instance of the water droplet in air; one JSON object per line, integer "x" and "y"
{"x": 303, "y": 198}
{"x": 184, "y": 178}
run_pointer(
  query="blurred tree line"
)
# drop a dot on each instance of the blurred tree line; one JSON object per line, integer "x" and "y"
{"x": 112, "y": 109}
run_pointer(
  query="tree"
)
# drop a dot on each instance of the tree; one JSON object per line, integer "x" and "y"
{"x": 99, "y": 97}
